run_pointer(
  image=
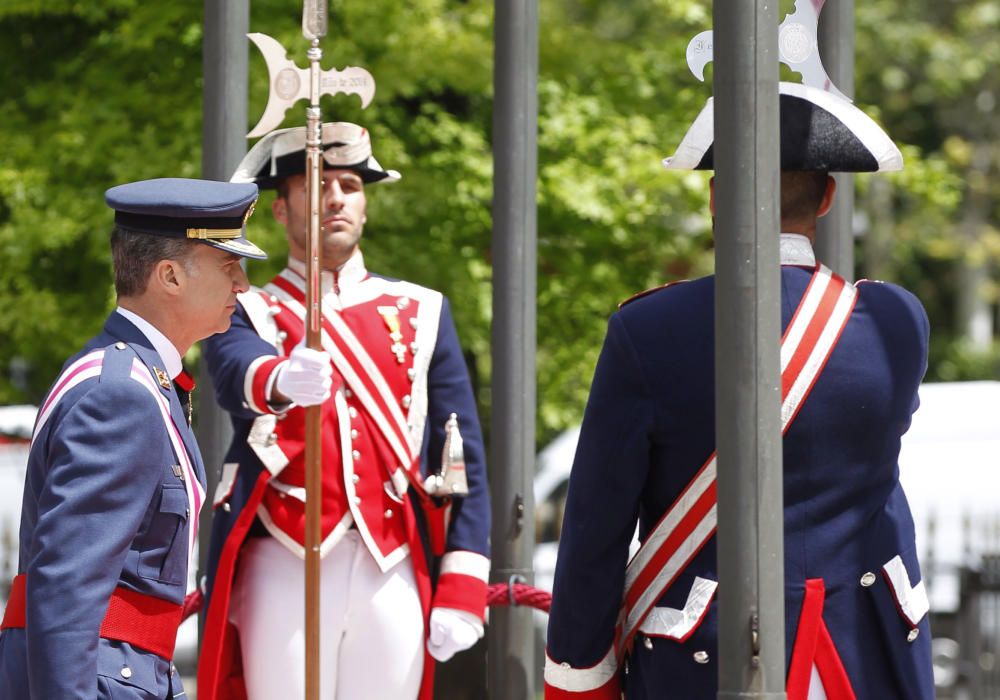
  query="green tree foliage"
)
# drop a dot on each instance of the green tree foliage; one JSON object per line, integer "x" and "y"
{"x": 95, "y": 94}
{"x": 932, "y": 69}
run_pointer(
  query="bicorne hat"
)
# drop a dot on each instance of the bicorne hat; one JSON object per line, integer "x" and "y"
{"x": 819, "y": 131}
{"x": 282, "y": 153}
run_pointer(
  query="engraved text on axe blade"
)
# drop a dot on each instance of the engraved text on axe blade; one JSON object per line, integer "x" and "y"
{"x": 289, "y": 83}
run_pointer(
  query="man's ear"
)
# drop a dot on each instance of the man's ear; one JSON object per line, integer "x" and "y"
{"x": 167, "y": 276}
{"x": 279, "y": 208}
{"x": 827, "y": 201}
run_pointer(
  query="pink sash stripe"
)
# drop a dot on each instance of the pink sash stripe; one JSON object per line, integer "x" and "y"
{"x": 84, "y": 368}
{"x": 192, "y": 486}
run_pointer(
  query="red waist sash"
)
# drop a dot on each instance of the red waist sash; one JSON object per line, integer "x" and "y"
{"x": 143, "y": 621}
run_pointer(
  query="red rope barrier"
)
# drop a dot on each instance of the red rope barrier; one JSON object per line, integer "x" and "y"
{"x": 500, "y": 593}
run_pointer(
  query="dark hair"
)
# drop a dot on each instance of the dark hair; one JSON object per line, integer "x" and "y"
{"x": 801, "y": 194}
{"x": 134, "y": 254}
{"x": 282, "y": 188}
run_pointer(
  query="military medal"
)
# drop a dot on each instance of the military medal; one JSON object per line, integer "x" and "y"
{"x": 162, "y": 377}
{"x": 391, "y": 317}
{"x": 185, "y": 391}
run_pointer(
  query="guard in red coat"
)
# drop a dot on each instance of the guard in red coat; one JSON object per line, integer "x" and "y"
{"x": 405, "y": 512}
{"x": 852, "y": 357}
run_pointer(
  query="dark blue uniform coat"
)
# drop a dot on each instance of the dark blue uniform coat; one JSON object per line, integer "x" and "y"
{"x": 103, "y": 508}
{"x": 649, "y": 426}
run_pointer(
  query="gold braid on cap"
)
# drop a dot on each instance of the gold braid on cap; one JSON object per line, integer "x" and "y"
{"x": 214, "y": 233}
{"x": 222, "y": 233}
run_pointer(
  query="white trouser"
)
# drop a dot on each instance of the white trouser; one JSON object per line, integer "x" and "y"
{"x": 371, "y": 631}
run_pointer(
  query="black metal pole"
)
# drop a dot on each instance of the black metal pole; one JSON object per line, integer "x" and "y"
{"x": 747, "y": 330}
{"x": 224, "y": 113}
{"x": 512, "y": 454}
{"x": 835, "y": 232}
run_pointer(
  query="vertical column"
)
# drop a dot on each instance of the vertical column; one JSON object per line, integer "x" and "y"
{"x": 747, "y": 331}
{"x": 224, "y": 55}
{"x": 835, "y": 232}
{"x": 512, "y": 453}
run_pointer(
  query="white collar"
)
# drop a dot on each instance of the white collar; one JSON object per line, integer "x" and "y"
{"x": 350, "y": 273}
{"x": 166, "y": 350}
{"x": 795, "y": 249}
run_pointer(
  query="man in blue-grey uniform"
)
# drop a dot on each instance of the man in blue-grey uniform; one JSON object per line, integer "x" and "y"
{"x": 853, "y": 357}
{"x": 114, "y": 479}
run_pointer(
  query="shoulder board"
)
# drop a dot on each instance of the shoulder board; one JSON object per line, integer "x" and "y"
{"x": 118, "y": 357}
{"x": 121, "y": 360}
{"x": 113, "y": 361}
{"x": 647, "y": 292}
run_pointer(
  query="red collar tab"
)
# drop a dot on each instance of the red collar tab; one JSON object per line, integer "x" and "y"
{"x": 185, "y": 381}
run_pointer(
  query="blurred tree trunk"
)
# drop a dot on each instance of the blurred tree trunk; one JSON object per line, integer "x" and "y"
{"x": 878, "y": 240}
{"x": 974, "y": 312}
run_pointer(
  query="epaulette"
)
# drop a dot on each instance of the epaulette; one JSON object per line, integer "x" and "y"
{"x": 647, "y": 292}
{"x": 117, "y": 360}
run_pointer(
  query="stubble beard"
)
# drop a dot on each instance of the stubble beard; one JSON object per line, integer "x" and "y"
{"x": 339, "y": 246}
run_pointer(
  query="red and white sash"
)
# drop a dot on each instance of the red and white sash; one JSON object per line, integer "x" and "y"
{"x": 691, "y": 521}
{"x": 363, "y": 376}
{"x": 359, "y": 371}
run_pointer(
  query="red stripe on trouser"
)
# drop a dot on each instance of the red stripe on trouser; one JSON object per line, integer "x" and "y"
{"x": 141, "y": 620}
{"x": 814, "y": 647}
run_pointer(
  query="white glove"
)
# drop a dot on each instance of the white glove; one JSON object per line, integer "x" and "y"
{"x": 452, "y": 631}
{"x": 306, "y": 378}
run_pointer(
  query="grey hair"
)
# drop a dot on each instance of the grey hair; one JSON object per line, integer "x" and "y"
{"x": 134, "y": 254}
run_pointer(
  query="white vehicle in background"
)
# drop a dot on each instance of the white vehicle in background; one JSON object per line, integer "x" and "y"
{"x": 16, "y": 424}
{"x": 950, "y": 468}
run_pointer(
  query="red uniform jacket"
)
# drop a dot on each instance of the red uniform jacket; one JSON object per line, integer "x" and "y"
{"x": 399, "y": 374}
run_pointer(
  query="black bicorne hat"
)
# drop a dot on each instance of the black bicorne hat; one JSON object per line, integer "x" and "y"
{"x": 282, "y": 153}
{"x": 819, "y": 131}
